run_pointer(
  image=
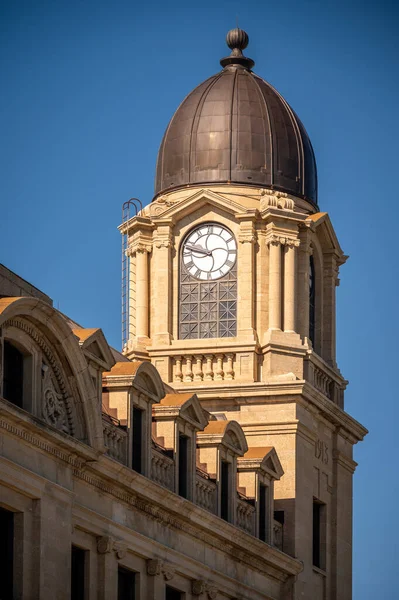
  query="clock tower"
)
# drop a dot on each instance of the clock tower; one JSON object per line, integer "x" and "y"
{"x": 232, "y": 275}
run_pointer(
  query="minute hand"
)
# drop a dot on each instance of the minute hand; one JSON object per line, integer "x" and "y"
{"x": 198, "y": 249}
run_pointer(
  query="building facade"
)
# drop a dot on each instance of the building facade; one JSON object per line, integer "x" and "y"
{"x": 212, "y": 458}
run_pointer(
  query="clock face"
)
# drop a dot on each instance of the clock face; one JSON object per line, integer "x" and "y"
{"x": 209, "y": 252}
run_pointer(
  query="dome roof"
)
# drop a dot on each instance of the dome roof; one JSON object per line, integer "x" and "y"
{"x": 235, "y": 127}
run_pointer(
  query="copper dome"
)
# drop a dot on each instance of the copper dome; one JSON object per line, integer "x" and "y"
{"x": 235, "y": 127}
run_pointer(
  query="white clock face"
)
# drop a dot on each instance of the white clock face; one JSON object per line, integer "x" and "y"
{"x": 209, "y": 252}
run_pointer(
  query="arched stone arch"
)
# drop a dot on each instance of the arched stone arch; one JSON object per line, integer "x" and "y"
{"x": 148, "y": 381}
{"x": 71, "y": 385}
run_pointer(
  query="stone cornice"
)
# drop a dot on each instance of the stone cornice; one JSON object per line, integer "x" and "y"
{"x": 180, "y": 514}
{"x": 128, "y": 486}
{"x": 42, "y": 436}
{"x": 295, "y": 391}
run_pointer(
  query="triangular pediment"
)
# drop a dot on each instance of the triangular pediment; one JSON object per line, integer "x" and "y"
{"x": 193, "y": 411}
{"x": 271, "y": 463}
{"x": 184, "y": 207}
{"x": 95, "y": 347}
{"x": 321, "y": 224}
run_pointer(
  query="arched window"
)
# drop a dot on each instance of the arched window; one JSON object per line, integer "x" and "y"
{"x": 13, "y": 376}
{"x": 312, "y": 306}
{"x": 208, "y": 283}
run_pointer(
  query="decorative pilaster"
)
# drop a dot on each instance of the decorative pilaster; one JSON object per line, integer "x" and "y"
{"x": 275, "y": 283}
{"x": 303, "y": 284}
{"x": 162, "y": 283}
{"x": 139, "y": 232}
{"x": 142, "y": 291}
{"x": 247, "y": 239}
{"x": 290, "y": 298}
{"x": 330, "y": 281}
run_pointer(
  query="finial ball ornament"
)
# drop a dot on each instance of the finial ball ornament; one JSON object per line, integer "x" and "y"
{"x": 237, "y": 38}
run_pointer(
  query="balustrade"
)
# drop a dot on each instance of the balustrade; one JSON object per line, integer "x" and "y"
{"x": 162, "y": 469}
{"x": 245, "y": 516}
{"x": 278, "y": 535}
{"x": 115, "y": 439}
{"x": 325, "y": 379}
{"x": 205, "y": 492}
{"x": 204, "y": 367}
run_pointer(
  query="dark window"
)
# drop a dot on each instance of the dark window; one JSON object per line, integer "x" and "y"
{"x": 225, "y": 490}
{"x": 13, "y": 374}
{"x": 78, "y": 563}
{"x": 312, "y": 305}
{"x": 183, "y": 465}
{"x": 137, "y": 431}
{"x": 126, "y": 584}
{"x": 319, "y": 534}
{"x": 7, "y": 554}
{"x": 264, "y": 513}
{"x": 172, "y": 594}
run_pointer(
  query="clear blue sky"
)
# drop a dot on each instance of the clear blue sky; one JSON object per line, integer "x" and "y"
{"x": 87, "y": 90}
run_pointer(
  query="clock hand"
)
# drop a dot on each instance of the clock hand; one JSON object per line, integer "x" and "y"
{"x": 198, "y": 249}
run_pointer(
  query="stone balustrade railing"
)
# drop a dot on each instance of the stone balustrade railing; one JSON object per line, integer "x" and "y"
{"x": 194, "y": 367}
{"x": 115, "y": 439}
{"x": 278, "y": 535}
{"x": 162, "y": 469}
{"x": 245, "y": 516}
{"x": 325, "y": 379}
{"x": 205, "y": 492}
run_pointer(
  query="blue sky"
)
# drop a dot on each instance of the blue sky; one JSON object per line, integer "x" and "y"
{"x": 87, "y": 91}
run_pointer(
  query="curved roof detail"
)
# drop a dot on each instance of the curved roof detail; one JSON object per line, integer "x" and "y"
{"x": 235, "y": 127}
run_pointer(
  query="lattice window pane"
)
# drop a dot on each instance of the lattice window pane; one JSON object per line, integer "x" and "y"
{"x": 208, "y": 309}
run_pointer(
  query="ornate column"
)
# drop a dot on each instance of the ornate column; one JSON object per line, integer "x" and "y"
{"x": 330, "y": 281}
{"x": 304, "y": 253}
{"x": 275, "y": 282}
{"x": 290, "y": 285}
{"x": 247, "y": 239}
{"x": 142, "y": 251}
{"x": 162, "y": 283}
{"x": 139, "y": 232}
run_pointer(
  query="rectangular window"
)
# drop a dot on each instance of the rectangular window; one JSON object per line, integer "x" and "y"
{"x": 126, "y": 584}
{"x": 319, "y": 534}
{"x": 264, "y": 510}
{"x": 172, "y": 594}
{"x": 137, "y": 432}
{"x": 7, "y": 554}
{"x": 183, "y": 465}
{"x": 225, "y": 490}
{"x": 78, "y": 565}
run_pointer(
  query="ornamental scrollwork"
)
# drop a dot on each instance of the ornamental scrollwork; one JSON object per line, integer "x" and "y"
{"x": 53, "y": 362}
{"x": 274, "y": 199}
{"x": 53, "y": 407}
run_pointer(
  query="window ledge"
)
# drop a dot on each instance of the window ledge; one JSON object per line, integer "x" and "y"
{"x": 322, "y": 572}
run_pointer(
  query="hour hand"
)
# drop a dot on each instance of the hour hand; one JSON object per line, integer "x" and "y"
{"x": 198, "y": 249}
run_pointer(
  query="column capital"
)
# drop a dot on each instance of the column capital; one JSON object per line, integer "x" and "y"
{"x": 162, "y": 236}
{"x": 282, "y": 240}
